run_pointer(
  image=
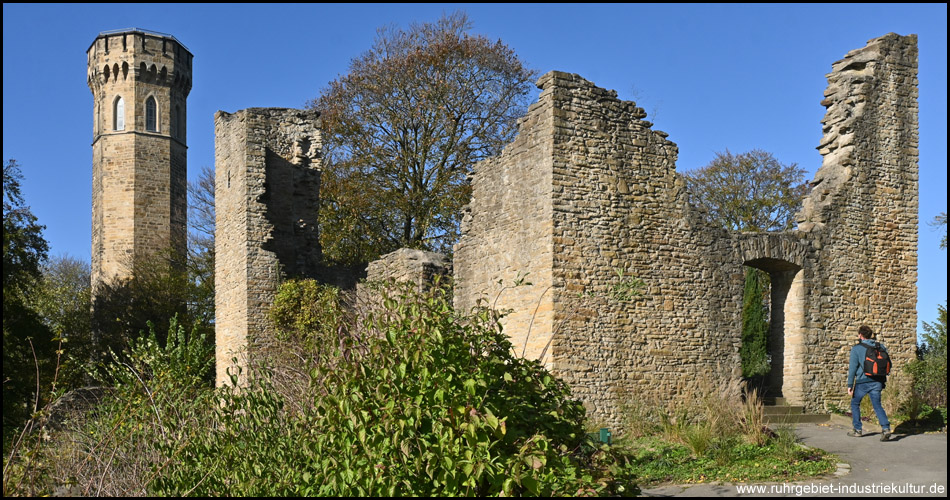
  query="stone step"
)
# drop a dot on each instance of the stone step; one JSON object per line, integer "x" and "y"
{"x": 783, "y": 410}
{"x": 796, "y": 418}
{"x": 776, "y": 410}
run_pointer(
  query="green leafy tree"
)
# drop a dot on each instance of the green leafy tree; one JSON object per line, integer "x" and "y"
{"x": 930, "y": 369}
{"x": 402, "y": 131}
{"x": 940, "y": 221}
{"x": 935, "y": 334}
{"x": 751, "y": 191}
{"x": 61, "y": 299}
{"x": 755, "y": 328}
{"x": 24, "y": 248}
{"x": 27, "y": 344}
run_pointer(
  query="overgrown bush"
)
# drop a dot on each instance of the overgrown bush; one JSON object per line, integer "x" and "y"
{"x": 159, "y": 400}
{"x": 410, "y": 399}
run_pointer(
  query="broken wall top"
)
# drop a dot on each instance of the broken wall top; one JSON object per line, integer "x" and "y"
{"x": 861, "y": 87}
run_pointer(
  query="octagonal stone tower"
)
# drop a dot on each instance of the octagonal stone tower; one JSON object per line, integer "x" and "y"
{"x": 140, "y": 81}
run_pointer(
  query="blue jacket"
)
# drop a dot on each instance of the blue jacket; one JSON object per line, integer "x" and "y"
{"x": 856, "y": 364}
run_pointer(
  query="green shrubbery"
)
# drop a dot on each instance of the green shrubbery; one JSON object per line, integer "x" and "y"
{"x": 159, "y": 399}
{"x": 403, "y": 397}
{"x": 926, "y": 397}
{"x": 408, "y": 399}
{"x": 394, "y": 393}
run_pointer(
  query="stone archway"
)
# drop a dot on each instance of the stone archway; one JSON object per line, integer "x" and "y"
{"x": 786, "y": 328}
{"x": 783, "y": 257}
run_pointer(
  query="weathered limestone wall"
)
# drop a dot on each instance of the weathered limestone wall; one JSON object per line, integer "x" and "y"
{"x": 585, "y": 198}
{"x": 862, "y": 210}
{"x": 139, "y": 193}
{"x": 621, "y": 213}
{"x": 267, "y": 180}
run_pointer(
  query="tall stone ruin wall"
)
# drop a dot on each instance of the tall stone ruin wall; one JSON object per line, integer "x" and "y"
{"x": 621, "y": 213}
{"x": 267, "y": 181}
{"x": 508, "y": 230}
{"x": 862, "y": 213}
{"x": 587, "y": 198}
{"x": 612, "y": 209}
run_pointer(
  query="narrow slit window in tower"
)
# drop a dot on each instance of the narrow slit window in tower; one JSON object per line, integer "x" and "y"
{"x": 150, "y": 112}
{"x": 118, "y": 114}
{"x": 178, "y": 123}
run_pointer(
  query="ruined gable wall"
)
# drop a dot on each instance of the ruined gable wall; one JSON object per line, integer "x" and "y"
{"x": 620, "y": 206}
{"x": 507, "y": 234}
{"x": 267, "y": 174}
{"x": 862, "y": 210}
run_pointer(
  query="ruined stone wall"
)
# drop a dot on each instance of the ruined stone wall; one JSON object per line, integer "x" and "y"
{"x": 267, "y": 176}
{"x": 862, "y": 210}
{"x": 139, "y": 191}
{"x": 505, "y": 256}
{"x": 587, "y": 200}
{"x": 414, "y": 266}
{"x": 621, "y": 214}
{"x": 598, "y": 190}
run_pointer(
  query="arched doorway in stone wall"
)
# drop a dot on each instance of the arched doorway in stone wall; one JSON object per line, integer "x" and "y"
{"x": 786, "y": 328}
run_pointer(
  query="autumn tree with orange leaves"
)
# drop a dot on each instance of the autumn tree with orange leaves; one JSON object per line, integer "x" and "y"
{"x": 402, "y": 131}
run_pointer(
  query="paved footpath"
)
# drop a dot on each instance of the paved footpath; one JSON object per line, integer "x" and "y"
{"x": 908, "y": 465}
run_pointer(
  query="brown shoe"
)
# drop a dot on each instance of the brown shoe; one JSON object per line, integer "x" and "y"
{"x": 886, "y": 436}
{"x": 855, "y": 433}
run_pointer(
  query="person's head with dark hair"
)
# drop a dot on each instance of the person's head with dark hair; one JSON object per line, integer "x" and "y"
{"x": 865, "y": 332}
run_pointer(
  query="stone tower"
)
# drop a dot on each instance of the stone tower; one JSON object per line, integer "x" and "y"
{"x": 267, "y": 164}
{"x": 140, "y": 82}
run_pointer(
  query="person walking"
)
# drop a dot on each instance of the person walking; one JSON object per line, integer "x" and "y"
{"x": 861, "y": 384}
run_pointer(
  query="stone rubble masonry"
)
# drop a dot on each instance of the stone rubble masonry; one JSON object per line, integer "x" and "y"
{"x": 508, "y": 232}
{"x": 415, "y": 266}
{"x": 267, "y": 181}
{"x": 139, "y": 176}
{"x": 587, "y": 197}
{"x": 862, "y": 213}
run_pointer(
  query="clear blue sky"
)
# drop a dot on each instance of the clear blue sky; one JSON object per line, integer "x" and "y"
{"x": 714, "y": 76}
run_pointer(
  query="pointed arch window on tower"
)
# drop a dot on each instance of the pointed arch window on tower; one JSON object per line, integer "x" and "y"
{"x": 151, "y": 112}
{"x": 118, "y": 114}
